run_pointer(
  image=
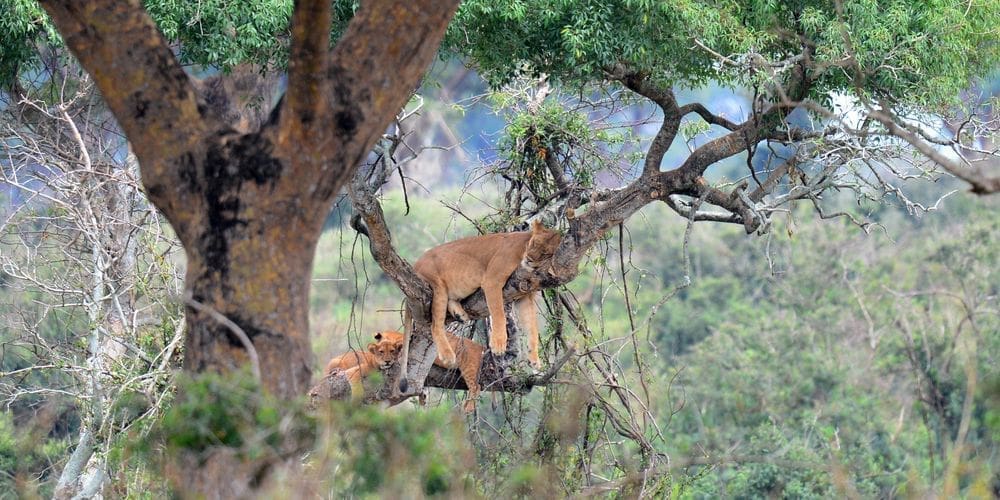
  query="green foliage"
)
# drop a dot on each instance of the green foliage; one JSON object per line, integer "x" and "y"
{"x": 366, "y": 450}
{"x": 826, "y": 399}
{"x": 231, "y": 411}
{"x": 213, "y": 33}
{"x": 26, "y": 458}
{"x": 22, "y": 22}
{"x": 531, "y": 136}
{"x": 913, "y": 52}
{"x": 225, "y": 34}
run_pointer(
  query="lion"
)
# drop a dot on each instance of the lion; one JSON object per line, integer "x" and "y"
{"x": 469, "y": 356}
{"x": 357, "y": 365}
{"x": 456, "y": 269}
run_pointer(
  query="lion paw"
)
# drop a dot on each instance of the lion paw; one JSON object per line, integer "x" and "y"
{"x": 470, "y": 406}
{"x": 535, "y": 363}
{"x": 497, "y": 349}
{"x": 447, "y": 357}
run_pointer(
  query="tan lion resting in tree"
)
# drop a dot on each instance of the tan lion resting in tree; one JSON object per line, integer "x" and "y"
{"x": 469, "y": 353}
{"x": 455, "y": 270}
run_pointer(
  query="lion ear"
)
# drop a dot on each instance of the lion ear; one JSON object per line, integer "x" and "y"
{"x": 536, "y": 226}
{"x": 373, "y": 348}
{"x": 378, "y": 336}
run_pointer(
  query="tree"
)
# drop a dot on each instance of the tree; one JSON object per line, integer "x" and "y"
{"x": 248, "y": 203}
{"x": 85, "y": 256}
{"x": 845, "y": 97}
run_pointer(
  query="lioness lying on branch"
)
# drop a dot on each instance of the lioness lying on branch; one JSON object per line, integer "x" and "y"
{"x": 455, "y": 270}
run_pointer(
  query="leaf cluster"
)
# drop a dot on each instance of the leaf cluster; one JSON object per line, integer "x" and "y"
{"x": 22, "y": 22}
{"x": 232, "y": 412}
{"x": 224, "y": 34}
{"x": 213, "y": 34}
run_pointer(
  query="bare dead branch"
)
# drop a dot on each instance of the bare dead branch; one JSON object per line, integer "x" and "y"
{"x": 982, "y": 183}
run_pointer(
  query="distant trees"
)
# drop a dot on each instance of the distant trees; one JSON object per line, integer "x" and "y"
{"x": 89, "y": 272}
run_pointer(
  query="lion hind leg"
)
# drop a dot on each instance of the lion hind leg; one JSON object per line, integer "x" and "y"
{"x": 456, "y": 310}
{"x": 471, "y": 355}
{"x": 529, "y": 318}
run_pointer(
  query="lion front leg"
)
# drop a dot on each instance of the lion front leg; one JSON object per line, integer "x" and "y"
{"x": 498, "y": 319}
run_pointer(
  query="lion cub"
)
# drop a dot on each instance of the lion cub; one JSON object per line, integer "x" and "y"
{"x": 456, "y": 269}
{"x": 357, "y": 365}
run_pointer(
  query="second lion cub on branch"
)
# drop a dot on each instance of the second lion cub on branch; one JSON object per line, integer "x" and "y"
{"x": 456, "y": 269}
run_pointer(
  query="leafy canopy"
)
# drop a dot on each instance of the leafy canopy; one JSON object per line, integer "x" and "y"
{"x": 20, "y": 24}
{"x": 214, "y": 33}
{"x": 917, "y": 51}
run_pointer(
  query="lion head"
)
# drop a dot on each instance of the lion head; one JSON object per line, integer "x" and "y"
{"x": 386, "y": 352}
{"x": 542, "y": 246}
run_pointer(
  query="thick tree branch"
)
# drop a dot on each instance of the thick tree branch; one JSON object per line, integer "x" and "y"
{"x": 305, "y": 123}
{"x": 370, "y": 221}
{"x": 715, "y": 150}
{"x": 664, "y": 98}
{"x": 372, "y": 75}
{"x": 708, "y": 116}
{"x": 685, "y": 209}
{"x": 336, "y": 387}
{"x": 686, "y": 179}
{"x": 520, "y": 382}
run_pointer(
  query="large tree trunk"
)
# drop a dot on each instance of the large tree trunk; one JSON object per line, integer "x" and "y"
{"x": 251, "y": 262}
{"x": 248, "y": 205}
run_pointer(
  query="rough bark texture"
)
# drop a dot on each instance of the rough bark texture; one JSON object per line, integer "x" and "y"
{"x": 248, "y": 205}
